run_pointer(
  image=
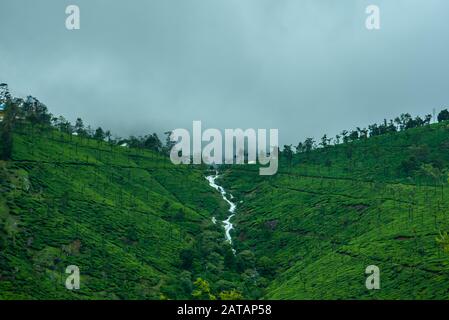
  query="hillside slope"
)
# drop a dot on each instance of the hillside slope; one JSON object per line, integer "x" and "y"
{"x": 331, "y": 212}
{"x": 137, "y": 226}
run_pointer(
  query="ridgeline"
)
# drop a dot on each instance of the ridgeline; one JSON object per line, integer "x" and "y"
{"x": 139, "y": 227}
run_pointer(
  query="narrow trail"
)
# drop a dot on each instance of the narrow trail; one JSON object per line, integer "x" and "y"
{"x": 228, "y": 226}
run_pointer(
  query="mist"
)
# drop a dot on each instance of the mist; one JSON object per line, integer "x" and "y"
{"x": 303, "y": 67}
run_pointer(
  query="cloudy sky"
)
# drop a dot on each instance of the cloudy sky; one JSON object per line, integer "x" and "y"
{"x": 306, "y": 67}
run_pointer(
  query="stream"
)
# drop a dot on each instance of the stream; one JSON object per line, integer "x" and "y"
{"x": 232, "y": 206}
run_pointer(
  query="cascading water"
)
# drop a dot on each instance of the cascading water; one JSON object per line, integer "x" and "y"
{"x": 232, "y": 206}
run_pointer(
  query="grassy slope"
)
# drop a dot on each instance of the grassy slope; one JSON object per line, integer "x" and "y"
{"x": 116, "y": 214}
{"x": 333, "y": 212}
{"x": 123, "y": 216}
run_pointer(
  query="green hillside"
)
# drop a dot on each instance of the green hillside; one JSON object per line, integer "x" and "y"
{"x": 137, "y": 226}
{"x": 331, "y": 212}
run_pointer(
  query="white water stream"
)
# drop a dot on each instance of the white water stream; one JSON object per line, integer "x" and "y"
{"x": 232, "y": 206}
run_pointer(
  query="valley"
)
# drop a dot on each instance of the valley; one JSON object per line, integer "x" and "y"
{"x": 139, "y": 227}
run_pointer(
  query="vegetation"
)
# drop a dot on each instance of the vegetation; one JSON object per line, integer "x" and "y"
{"x": 139, "y": 227}
{"x": 332, "y": 211}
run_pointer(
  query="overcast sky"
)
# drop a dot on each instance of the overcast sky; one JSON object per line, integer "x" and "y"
{"x": 306, "y": 67}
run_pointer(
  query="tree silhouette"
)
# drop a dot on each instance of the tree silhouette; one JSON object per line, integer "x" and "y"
{"x": 99, "y": 134}
{"x": 443, "y": 115}
{"x": 79, "y": 127}
{"x": 7, "y": 126}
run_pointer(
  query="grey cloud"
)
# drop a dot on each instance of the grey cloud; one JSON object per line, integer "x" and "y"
{"x": 306, "y": 67}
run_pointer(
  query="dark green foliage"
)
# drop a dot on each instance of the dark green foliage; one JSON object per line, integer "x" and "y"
{"x": 186, "y": 257}
{"x": 79, "y": 127}
{"x": 99, "y": 134}
{"x": 6, "y": 143}
{"x": 443, "y": 115}
{"x": 6, "y": 130}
